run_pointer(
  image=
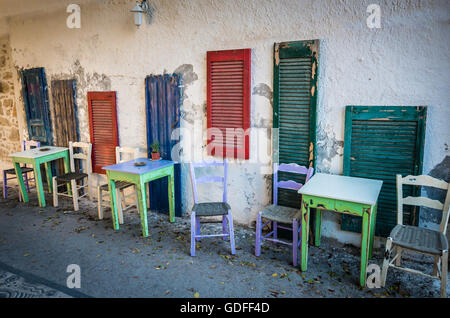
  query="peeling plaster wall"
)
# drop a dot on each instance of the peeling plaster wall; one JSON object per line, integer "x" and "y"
{"x": 406, "y": 62}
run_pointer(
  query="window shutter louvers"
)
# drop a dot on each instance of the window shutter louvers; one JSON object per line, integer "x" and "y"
{"x": 381, "y": 142}
{"x": 103, "y": 127}
{"x": 294, "y": 110}
{"x": 228, "y": 102}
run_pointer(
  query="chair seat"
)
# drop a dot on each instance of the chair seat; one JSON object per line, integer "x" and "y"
{"x": 24, "y": 169}
{"x": 419, "y": 239}
{"x": 280, "y": 213}
{"x": 211, "y": 208}
{"x": 119, "y": 185}
{"x": 71, "y": 176}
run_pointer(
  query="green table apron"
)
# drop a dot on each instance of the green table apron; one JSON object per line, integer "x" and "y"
{"x": 355, "y": 196}
{"x": 36, "y": 157}
{"x": 139, "y": 176}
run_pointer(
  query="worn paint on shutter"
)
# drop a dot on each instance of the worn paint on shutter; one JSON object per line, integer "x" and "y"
{"x": 163, "y": 106}
{"x": 103, "y": 127}
{"x": 64, "y": 109}
{"x": 294, "y": 111}
{"x": 380, "y": 142}
{"x": 228, "y": 101}
{"x": 35, "y": 96}
{"x": 64, "y": 112}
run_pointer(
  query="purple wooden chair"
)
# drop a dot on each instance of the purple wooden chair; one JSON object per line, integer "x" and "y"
{"x": 276, "y": 213}
{"x": 26, "y": 145}
{"x": 210, "y": 208}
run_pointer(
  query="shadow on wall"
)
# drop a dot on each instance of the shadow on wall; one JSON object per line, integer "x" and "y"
{"x": 440, "y": 171}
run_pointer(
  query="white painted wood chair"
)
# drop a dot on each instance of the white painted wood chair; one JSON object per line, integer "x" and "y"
{"x": 419, "y": 240}
{"x": 122, "y": 154}
{"x": 75, "y": 176}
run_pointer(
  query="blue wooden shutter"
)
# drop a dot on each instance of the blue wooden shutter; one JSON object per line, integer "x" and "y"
{"x": 294, "y": 109}
{"x": 163, "y": 102}
{"x": 380, "y": 142}
{"x": 35, "y": 97}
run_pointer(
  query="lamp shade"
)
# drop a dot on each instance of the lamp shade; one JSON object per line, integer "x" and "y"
{"x": 137, "y": 10}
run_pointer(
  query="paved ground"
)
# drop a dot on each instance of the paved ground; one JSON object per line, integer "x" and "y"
{"x": 43, "y": 242}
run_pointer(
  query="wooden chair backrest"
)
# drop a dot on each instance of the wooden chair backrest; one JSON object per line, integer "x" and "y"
{"x": 209, "y": 178}
{"x": 126, "y": 153}
{"x": 84, "y": 155}
{"x": 423, "y": 180}
{"x": 290, "y": 184}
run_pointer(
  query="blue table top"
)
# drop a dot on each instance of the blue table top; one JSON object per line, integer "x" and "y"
{"x": 129, "y": 167}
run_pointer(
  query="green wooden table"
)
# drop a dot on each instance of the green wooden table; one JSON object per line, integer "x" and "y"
{"x": 342, "y": 194}
{"x": 36, "y": 157}
{"x": 140, "y": 175}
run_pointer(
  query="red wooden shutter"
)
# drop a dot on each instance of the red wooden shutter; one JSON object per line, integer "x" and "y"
{"x": 103, "y": 126}
{"x": 228, "y": 102}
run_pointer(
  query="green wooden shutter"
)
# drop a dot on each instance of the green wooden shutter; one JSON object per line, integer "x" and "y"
{"x": 294, "y": 109}
{"x": 380, "y": 142}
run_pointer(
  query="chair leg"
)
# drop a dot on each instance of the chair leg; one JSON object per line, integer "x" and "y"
{"x": 444, "y": 269}
{"x": 25, "y": 179}
{"x": 258, "y": 235}
{"x": 231, "y": 231}
{"x": 99, "y": 203}
{"x": 74, "y": 194}
{"x": 224, "y": 226}
{"x": 399, "y": 251}
{"x": 5, "y": 182}
{"x": 387, "y": 256}
{"x": 275, "y": 230}
{"x": 55, "y": 192}
{"x": 122, "y": 199}
{"x": 435, "y": 265}
{"x": 294, "y": 241}
{"x": 119, "y": 205}
{"x": 89, "y": 189}
{"x": 197, "y": 227}
{"x": 193, "y": 231}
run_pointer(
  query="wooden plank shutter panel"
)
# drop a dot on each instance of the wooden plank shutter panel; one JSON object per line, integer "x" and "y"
{"x": 65, "y": 112}
{"x": 381, "y": 142}
{"x": 294, "y": 110}
{"x": 228, "y": 101}
{"x": 103, "y": 127}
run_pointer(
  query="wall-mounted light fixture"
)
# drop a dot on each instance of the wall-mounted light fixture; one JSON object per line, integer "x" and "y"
{"x": 139, "y": 10}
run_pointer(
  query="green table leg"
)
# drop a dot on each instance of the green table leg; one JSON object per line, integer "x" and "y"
{"x": 112, "y": 194}
{"x": 305, "y": 234}
{"x": 365, "y": 241}
{"x": 19, "y": 175}
{"x": 48, "y": 172}
{"x": 142, "y": 206}
{"x": 171, "y": 191}
{"x": 373, "y": 222}
{"x": 318, "y": 227}
{"x": 39, "y": 187}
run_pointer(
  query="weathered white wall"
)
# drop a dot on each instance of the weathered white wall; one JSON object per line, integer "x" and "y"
{"x": 406, "y": 62}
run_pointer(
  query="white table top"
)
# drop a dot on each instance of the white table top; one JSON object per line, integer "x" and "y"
{"x": 344, "y": 188}
{"x": 36, "y": 153}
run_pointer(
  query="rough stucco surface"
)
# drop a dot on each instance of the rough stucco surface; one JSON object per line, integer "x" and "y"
{"x": 9, "y": 132}
{"x": 406, "y": 62}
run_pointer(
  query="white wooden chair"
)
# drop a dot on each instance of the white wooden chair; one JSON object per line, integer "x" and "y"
{"x": 122, "y": 154}
{"x": 74, "y": 176}
{"x": 419, "y": 240}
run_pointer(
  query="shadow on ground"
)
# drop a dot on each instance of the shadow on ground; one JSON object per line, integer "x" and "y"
{"x": 44, "y": 241}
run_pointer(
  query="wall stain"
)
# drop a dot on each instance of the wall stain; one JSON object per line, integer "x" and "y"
{"x": 327, "y": 147}
{"x": 187, "y": 73}
{"x": 263, "y": 90}
{"x": 440, "y": 171}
